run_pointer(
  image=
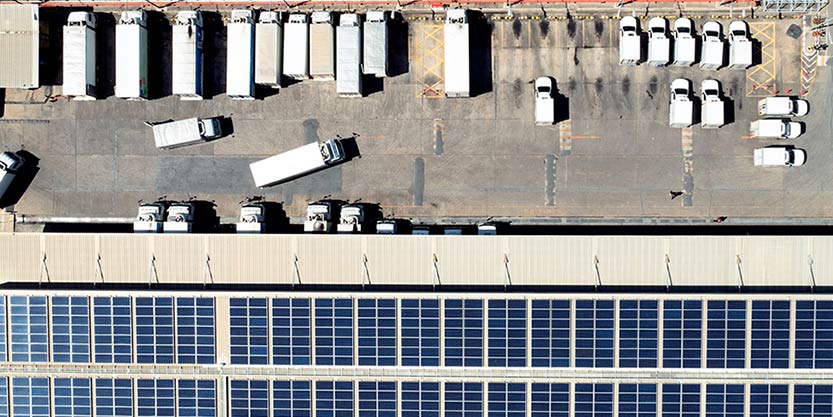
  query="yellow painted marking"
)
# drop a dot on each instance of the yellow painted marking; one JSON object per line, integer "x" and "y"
{"x": 574, "y": 137}
{"x": 374, "y": 137}
{"x": 761, "y": 79}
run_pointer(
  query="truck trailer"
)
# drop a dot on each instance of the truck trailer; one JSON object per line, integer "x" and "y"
{"x": 132, "y": 56}
{"x": 296, "y": 47}
{"x": 456, "y": 68}
{"x": 79, "y": 56}
{"x": 241, "y": 55}
{"x": 322, "y": 45}
{"x": 297, "y": 163}
{"x": 349, "y": 56}
{"x": 178, "y": 133}
{"x": 268, "y": 55}
{"x": 375, "y": 46}
{"x": 186, "y": 61}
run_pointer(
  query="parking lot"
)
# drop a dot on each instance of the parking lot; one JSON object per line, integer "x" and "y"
{"x": 428, "y": 156}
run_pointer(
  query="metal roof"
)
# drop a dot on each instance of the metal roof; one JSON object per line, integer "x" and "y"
{"x": 19, "y": 41}
{"x": 653, "y": 261}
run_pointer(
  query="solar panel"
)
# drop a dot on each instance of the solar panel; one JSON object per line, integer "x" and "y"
{"x": 420, "y": 339}
{"x": 550, "y": 333}
{"x": 248, "y": 320}
{"x": 70, "y": 329}
{"x": 29, "y": 335}
{"x": 113, "y": 397}
{"x": 113, "y": 330}
{"x": 333, "y": 331}
{"x": 507, "y": 333}
{"x": 463, "y": 332}
{"x": 594, "y": 333}
{"x": 72, "y": 397}
{"x": 195, "y": 330}
{"x": 291, "y": 331}
{"x": 682, "y": 333}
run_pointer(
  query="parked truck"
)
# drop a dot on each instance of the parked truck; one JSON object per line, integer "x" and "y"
{"x": 17, "y": 171}
{"x": 241, "y": 55}
{"x": 132, "y": 56}
{"x": 630, "y": 42}
{"x": 359, "y": 218}
{"x": 711, "y": 56}
{"x": 297, "y": 163}
{"x": 322, "y": 45}
{"x": 685, "y": 46}
{"x": 260, "y": 216}
{"x": 775, "y": 128}
{"x": 659, "y": 46}
{"x": 681, "y": 112}
{"x": 268, "y": 55}
{"x": 712, "y": 105}
{"x": 187, "y": 58}
{"x": 544, "y": 102}
{"x": 782, "y": 107}
{"x": 178, "y": 133}
{"x": 375, "y": 46}
{"x": 296, "y": 47}
{"x": 349, "y": 51}
{"x": 740, "y": 47}
{"x": 456, "y": 68}
{"x": 323, "y": 216}
{"x": 393, "y": 227}
{"x": 193, "y": 216}
{"x": 779, "y": 156}
{"x": 151, "y": 216}
{"x": 79, "y": 56}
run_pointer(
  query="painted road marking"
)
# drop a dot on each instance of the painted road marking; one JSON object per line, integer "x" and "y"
{"x": 428, "y": 60}
{"x": 687, "y": 139}
{"x": 761, "y": 79}
{"x": 565, "y": 137}
{"x": 809, "y": 56}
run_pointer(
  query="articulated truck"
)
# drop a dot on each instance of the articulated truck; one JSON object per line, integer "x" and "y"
{"x": 297, "y": 163}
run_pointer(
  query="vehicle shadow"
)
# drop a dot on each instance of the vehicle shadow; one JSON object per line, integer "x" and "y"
{"x": 105, "y": 58}
{"x": 398, "y": 46}
{"x": 22, "y": 180}
{"x": 159, "y": 55}
{"x": 561, "y": 103}
{"x": 480, "y": 53}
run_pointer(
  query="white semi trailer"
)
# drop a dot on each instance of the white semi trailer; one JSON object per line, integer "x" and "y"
{"x": 375, "y": 45}
{"x": 297, "y": 163}
{"x": 132, "y": 56}
{"x": 349, "y": 56}
{"x": 457, "y": 71}
{"x": 186, "y": 61}
{"x": 296, "y": 47}
{"x": 269, "y": 42}
{"x": 241, "y": 55}
{"x": 79, "y": 56}
{"x": 322, "y": 47}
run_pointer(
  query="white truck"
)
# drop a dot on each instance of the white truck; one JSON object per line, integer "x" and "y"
{"x": 322, "y": 45}
{"x": 630, "y": 42}
{"x": 260, "y": 216}
{"x": 268, "y": 55}
{"x": 456, "y": 68}
{"x": 681, "y": 112}
{"x": 740, "y": 47}
{"x": 685, "y": 46}
{"x": 375, "y": 45}
{"x": 297, "y": 163}
{"x": 241, "y": 55}
{"x": 17, "y": 170}
{"x": 187, "y": 62}
{"x": 322, "y": 216}
{"x": 79, "y": 56}
{"x": 359, "y": 218}
{"x": 659, "y": 46}
{"x": 151, "y": 216}
{"x": 779, "y": 156}
{"x": 178, "y": 133}
{"x": 775, "y": 128}
{"x": 349, "y": 56}
{"x": 296, "y": 47}
{"x": 712, "y": 105}
{"x": 711, "y": 56}
{"x": 193, "y": 216}
{"x": 782, "y": 107}
{"x": 132, "y": 56}
{"x": 544, "y": 102}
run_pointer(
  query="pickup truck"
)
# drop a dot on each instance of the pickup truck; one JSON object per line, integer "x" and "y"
{"x": 544, "y": 102}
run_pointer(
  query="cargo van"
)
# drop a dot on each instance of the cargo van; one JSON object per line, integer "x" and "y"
{"x": 681, "y": 111}
{"x": 712, "y": 105}
{"x": 544, "y": 102}
{"x": 711, "y": 56}
{"x": 775, "y": 128}
{"x": 740, "y": 47}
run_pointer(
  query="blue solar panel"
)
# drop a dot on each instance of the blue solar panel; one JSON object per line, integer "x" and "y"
{"x": 291, "y": 399}
{"x": 29, "y": 329}
{"x": 550, "y": 400}
{"x": 72, "y": 397}
{"x": 680, "y": 400}
{"x": 333, "y": 331}
{"x": 550, "y": 333}
{"x": 155, "y": 330}
{"x": 724, "y": 400}
{"x": 4, "y": 396}
{"x": 507, "y": 333}
{"x": 70, "y": 329}
{"x": 249, "y": 332}
{"x": 814, "y": 334}
{"x": 113, "y": 397}
{"x": 333, "y": 399}
{"x": 463, "y": 399}
{"x": 420, "y": 399}
{"x": 249, "y": 398}
{"x": 594, "y": 333}
{"x": 768, "y": 401}
{"x": 196, "y": 398}
{"x": 463, "y": 332}
{"x": 507, "y": 399}
{"x": 377, "y": 399}
{"x": 813, "y": 401}
{"x": 594, "y": 400}
{"x": 113, "y": 329}
{"x": 155, "y": 398}
{"x": 770, "y": 334}
{"x": 682, "y": 333}
{"x": 377, "y": 332}
{"x": 637, "y": 400}
{"x": 638, "y": 334}
{"x": 195, "y": 330}
{"x": 726, "y": 334}
{"x": 291, "y": 331}
{"x": 420, "y": 338}
{"x": 3, "y": 341}
{"x": 30, "y": 397}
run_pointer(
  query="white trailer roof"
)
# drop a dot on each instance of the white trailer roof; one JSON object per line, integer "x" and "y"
{"x": 287, "y": 165}
{"x": 375, "y": 46}
{"x": 712, "y": 53}
{"x": 630, "y": 48}
{"x": 684, "y": 50}
{"x": 131, "y": 61}
{"x": 178, "y": 132}
{"x": 296, "y": 50}
{"x": 240, "y": 68}
{"x": 20, "y": 43}
{"x": 778, "y": 105}
{"x": 268, "y": 59}
{"x": 457, "y": 71}
{"x": 79, "y": 63}
{"x": 349, "y": 51}
{"x": 187, "y": 68}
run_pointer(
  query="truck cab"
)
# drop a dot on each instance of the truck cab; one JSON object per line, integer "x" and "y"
{"x": 544, "y": 102}
{"x": 779, "y": 156}
{"x": 393, "y": 227}
{"x": 10, "y": 165}
{"x": 260, "y": 216}
{"x": 194, "y": 216}
{"x": 681, "y": 108}
{"x": 492, "y": 228}
{"x": 322, "y": 216}
{"x": 332, "y": 151}
{"x": 210, "y": 128}
{"x": 359, "y": 218}
{"x": 659, "y": 46}
{"x": 630, "y": 41}
{"x": 151, "y": 217}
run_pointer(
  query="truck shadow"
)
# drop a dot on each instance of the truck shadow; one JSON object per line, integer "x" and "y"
{"x": 562, "y": 105}
{"x": 22, "y": 180}
{"x": 227, "y": 126}
{"x": 159, "y": 55}
{"x": 398, "y": 46}
{"x": 757, "y": 57}
{"x": 214, "y": 55}
{"x": 51, "y": 42}
{"x": 728, "y": 111}
{"x": 105, "y": 56}
{"x": 351, "y": 148}
{"x": 480, "y": 53}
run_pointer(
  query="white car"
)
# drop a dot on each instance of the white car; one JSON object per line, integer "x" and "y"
{"x": 779, "y": 156}
{"x": 544, "y": 102}
{"x": 738, "y": 30}
{"x": 683, "y": 28}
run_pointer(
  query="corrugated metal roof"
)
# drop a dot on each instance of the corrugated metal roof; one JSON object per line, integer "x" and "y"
{"x": 19, "y": 41}
{"x": 419, "y": 260}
